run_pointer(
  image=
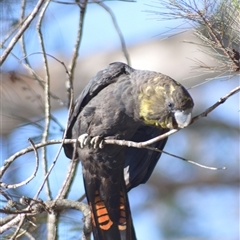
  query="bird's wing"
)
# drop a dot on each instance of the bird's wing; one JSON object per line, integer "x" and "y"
{"x": 103, "y": 78}
{"x": 140, "y": 163}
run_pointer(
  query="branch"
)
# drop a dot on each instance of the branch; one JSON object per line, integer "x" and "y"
{"x": 47, "y": 105}
{"x": 52, "y": 219}
{"x": 33, "y": 174}
{"x": 22, "y": 39}
{"x": 11, "y": 223}
{"x": 167, "y": 134}
{"x": 8, "y": 161}
{"x": 18, "y": 228}
{"x": 219, "y": 102}
{"x": 22, "y": 29}
{"x": 73, "y": 63}
{"x": 119, "y": 32}
{"x": 64, "y": 190}
{"x": 37, "y": 206}
{"x": 216, "y": 24}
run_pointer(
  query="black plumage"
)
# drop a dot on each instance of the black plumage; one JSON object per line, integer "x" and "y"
{"x": 122, "y": 103}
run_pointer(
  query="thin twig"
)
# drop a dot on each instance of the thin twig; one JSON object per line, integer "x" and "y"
{"x": 47, "y": 104}
{"x": 184, "y": 159}
{"x": 26, "y": 181}
{"x": 216, "y": 24}
{"x": 119, "y": 32}
{"x": 8, "y": 161}
{"x": 56, "y": 157}
{"x": 50, "y": 168}
{"x": 21, "y": 30}
{"x": 10, "y": 33}
{"x": 22, "y": 39}
{"x": 18, "y": 227}
{"x": 75, "y": 54}
{"x": 64, "y": 190}
{"x": 50, "y": 207}
{"x": 68, "y": 180}
{"x": 219, "y": 102}
{"x": 167, "y": 134}
{"x": 28, "y": 235}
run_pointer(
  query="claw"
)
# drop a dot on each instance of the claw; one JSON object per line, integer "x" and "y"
{"x": 97, "y": 142}
{"x": 83, "y": 140}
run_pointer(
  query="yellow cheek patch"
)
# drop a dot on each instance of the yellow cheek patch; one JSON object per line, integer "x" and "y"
{"x": 145, "y": 107}
{"x": 145, "y": 110}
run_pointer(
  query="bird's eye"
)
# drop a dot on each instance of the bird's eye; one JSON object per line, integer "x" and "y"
{"x": 170, "y": 104}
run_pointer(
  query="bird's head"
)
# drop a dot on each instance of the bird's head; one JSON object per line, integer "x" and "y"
{"x": 165, "y": 103}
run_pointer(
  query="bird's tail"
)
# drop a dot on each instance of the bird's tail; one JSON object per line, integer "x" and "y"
{"x": 110, "y": 224}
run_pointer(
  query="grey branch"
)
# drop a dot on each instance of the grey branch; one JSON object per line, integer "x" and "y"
{"x": 37, "y": 207}
{"x": 21, "y": 30}
{"x": 8, "y": 161}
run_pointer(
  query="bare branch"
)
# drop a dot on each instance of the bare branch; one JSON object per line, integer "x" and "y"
{"x": 21, "y": 30}
{"x": 47, "y": 105}
{"x": 156, "y": 139}
{"x": 119, "y": 32}
{"x": 20, "y": 224}
{"x": 36, "y": 207}
{"x": 84, "y": 208}
{"x": 28, "y": 179}
{"x": 8, "y": 161}
{"x": 22, "y": 39}
{"x": 52, "y": 220}
{"x": 64, "y": 190}
{"x": 11, "y": 223}
{"x": 68, "y": 180}
{"x": 184, "y": 159}
{"x": 73, "y": 63}
{"x": 219, "y": 102}
{"x": 73, "y": 166}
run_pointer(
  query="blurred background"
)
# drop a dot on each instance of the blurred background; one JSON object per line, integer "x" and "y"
{"x": 180, "y": 201}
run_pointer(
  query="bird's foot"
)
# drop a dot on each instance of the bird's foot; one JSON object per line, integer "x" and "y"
{"x": 83, "y": 140}
{"x": 95, "y": 142}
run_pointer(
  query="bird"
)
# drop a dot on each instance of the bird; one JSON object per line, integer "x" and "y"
{"x": 122, "y": 103}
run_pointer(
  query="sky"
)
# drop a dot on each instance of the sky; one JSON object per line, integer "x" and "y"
{"x": 99, "y": 35}
{"x": 136, "y": 24}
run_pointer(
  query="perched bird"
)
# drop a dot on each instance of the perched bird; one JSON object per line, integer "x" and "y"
{"x": 122, "y": 103}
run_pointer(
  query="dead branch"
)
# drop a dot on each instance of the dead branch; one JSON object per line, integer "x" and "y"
{"x": 21, "y": 30}
{"x": 145, "y": 144}
{"x": 119, "y": 32}
{"x": 26, "y": 181}
{"x": 36, "y": 207}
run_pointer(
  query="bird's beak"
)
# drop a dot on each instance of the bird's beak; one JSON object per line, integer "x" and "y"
{"x": 183, "y": 118}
